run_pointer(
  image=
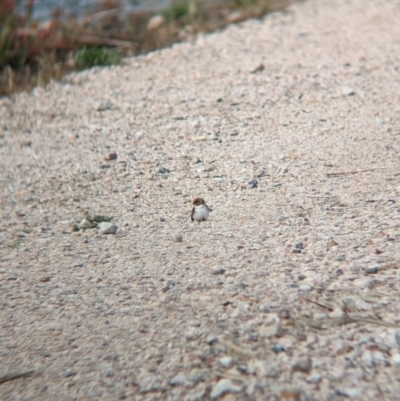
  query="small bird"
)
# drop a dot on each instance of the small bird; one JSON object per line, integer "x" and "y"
{"x": 200, "y": 211}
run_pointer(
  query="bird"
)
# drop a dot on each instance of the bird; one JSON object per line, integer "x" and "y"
{"x": 200, "y": 211}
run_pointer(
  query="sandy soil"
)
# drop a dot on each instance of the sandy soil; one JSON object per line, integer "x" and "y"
{"x": 291, "y": 289}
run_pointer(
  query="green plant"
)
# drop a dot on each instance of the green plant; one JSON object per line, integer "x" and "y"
{"x": 98, "y": 219}
{"x": 177, "y": 10}
{"x": 6, "y": 31}
{"x": 95, "y": 56}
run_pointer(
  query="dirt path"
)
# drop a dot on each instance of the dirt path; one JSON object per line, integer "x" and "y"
{"x": 291, "y": 289}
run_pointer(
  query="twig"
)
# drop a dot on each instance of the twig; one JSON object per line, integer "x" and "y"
{"x": 16, "y": 375}
{"x": 236, "y": 349}
{"x": 87, "y": 39}
{"x": 354, "y": 171}
{"x": 372, "y": 321}
{"x": 318, "y": 304}
{"x": 231, "y": 377}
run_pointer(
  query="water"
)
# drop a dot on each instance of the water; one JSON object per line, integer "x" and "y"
{"x": 80, "y": 8}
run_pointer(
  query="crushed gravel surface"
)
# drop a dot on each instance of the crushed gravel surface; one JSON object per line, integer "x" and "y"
{"x": 289, "y": 128}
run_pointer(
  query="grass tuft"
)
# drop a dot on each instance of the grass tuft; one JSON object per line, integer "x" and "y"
{"x": 177, "y": 10}
{"x": 89, "y": 57}
{"x": 99, "y": 219}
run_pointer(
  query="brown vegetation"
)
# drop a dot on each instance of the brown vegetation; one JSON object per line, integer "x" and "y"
{"x": 33, "y": 53}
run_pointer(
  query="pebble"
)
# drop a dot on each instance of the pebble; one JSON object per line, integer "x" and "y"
{"x": 373, "y": 358}
{"x": 235, "y": 16}
{"x": 305, "y": 287}
{"x": 218, "y": 271}
{"x": 84, "y": 224}
{"x": 178, "y": 380}
{"x": 314, "y": 378}
{"x": 69, "y": 373}
{"x": 347, "y": 91}
{"x": 299, "y": 245}
{"x": 344, "y": 392}
{"x": 155, "y": 22}
{"x": 397, "y": 338}
{"x": 372, "y": 270}
{"x": 253, "y": 183}
{"x": 226, "y": 361}
{"x": 105, "y": 105}
{"x": 396, "y": 359}
{"x": 211, "y": 340}
{"x": 178, "y": 238}
{"x": 272, "y": 326}
{"x": 222, "y": 387}
{"x": 107, "y": 228}
{"x": 277, "y": 348}
{"x": 303, "y": 366}
{"x": 164, "y": 170}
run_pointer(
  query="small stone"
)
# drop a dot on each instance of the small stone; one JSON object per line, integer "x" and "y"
{"x": 301, "y": 277}
{"x": 235, "y": 16}
{"x": 305, "y": 287}
{"x": 332, "y": 243}
{"x": 25, "y": 144}
{"x": 178, "y": 380}
{"x": 242, "y": 369}
{"x": 85, "y": 224}
{"x": 303, "y": 366}
{"x": 259, "y": 68}
{"x": 107, "y": 228}
{"x": 44, "y": 279}
{"x": 314, "y": 378}
{"x": 69, "y": 373}
{"x": 211, "y": 340}
{"x": 226, "y": 361}
{"x": 112, "y": 156}
{"x": 396, "y": 359}
{"x": 222, "y": 387}
{"x": 397, "y": 338}
{"x": 90, "y": 177}
{"x": 253, "y": 183}
{"x": 347, "y": 91}
{"x": 373, "y": 358}
{"x": 163, "y": 170}
{"x": 218, "y": 271}
{"x": 272, "y": 326}
{"x": 296, "y": 250}
{"x": 372, "y": 270}
{"x": 178, "y": 238}
{"x": 299, "y": 245}
{"x": 277, "y": 348}
{"x": 155, "y": 22}
{"x": 105, "y": 105}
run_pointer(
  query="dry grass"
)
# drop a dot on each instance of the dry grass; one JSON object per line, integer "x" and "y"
{"x": 33, "y": 54}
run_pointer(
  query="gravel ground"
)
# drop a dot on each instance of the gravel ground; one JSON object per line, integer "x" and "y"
{"x": 289, "y": 128}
